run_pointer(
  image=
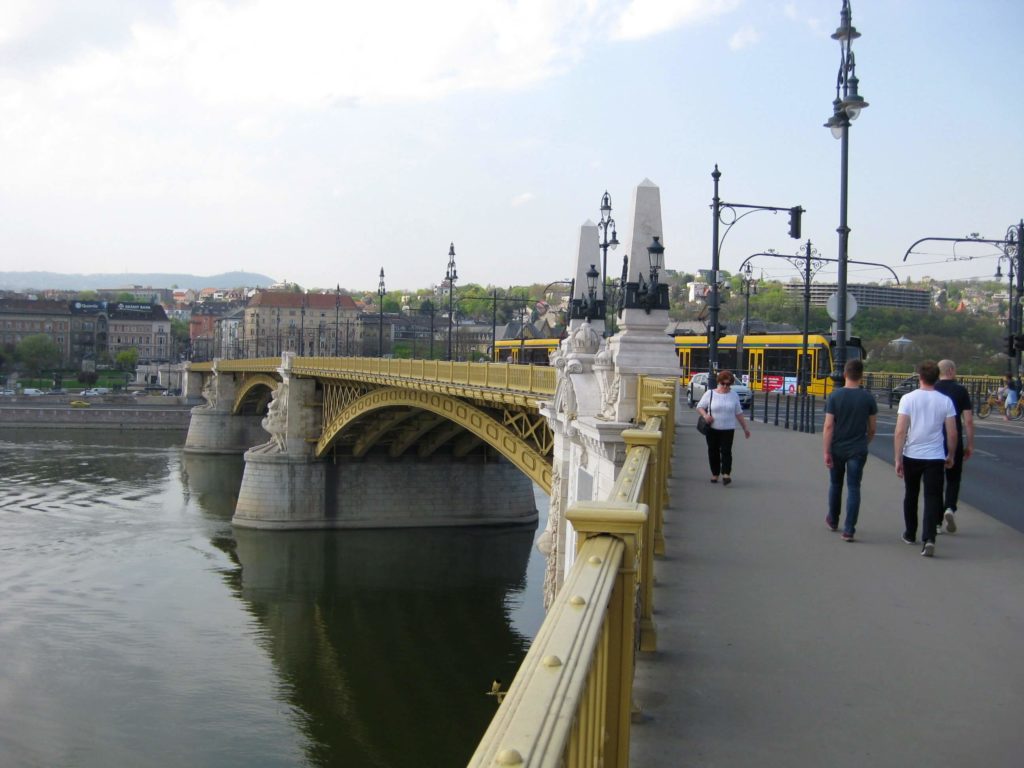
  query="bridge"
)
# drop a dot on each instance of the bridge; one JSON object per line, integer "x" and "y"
{"x": 358, "y": 442}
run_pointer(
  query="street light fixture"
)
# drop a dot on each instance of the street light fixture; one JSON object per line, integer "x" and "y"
{"x": 604, "y": 225}
{"x": 647, "y": 294}
{"x": 380, "y": 303}
{"x": 337, "y": 313}
{"x": 593, "y": 308}
{"x": 302, "y": 326}
{"x": 450, "y": 276}
{"x": 846, "y": 107}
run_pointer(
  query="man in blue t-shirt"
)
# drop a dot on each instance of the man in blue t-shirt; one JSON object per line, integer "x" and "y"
{"x": 850, "y": 415}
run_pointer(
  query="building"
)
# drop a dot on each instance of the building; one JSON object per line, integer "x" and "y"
{"x": 866, "y": 295}
{"x": 229, "y": 336}
{"x": 305, "y": 323}
{"x": 20, "y": 318}
{"x": 141, "y": 326}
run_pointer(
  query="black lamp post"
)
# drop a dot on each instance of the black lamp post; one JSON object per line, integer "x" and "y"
{"x": 593, "y": 307}
{"x": 337, "y": 314}
{"x": 277, "y": 313}
{"x": 380, "y": 302}
{"x": 846, "y": 107}
{"x": 450, "y": 276}
{"x": 749, "y": 286}
{"x": 604, "y": 225}
{"x": 257, "y": 334}
{"x": 1011, "y": 330}
{"x": 302, "y": 326}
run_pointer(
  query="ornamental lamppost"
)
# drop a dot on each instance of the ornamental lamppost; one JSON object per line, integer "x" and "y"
{"x": 380, "y": 302}
{"x": 846, "y": 107}
{"x": 450, "y": 276}
{"x": 604, "y": 225}
{"x": 337, "y": 312}
{"x": 302, "y": 326}
{"x": 593, "y": 307}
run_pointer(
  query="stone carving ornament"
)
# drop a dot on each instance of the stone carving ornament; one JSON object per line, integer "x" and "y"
{"x": 276, "y": 422}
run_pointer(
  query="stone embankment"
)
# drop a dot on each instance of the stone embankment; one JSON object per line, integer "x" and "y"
{"x": 108, "y": 413}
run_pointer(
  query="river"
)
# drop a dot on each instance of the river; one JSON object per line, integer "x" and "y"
{"x": 138, "y": 627}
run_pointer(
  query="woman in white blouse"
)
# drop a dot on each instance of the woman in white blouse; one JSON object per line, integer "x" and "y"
{"x": 721, "y": 409}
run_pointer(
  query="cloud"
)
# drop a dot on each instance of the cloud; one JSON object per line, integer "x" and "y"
{"x": 743, "y": 37}
{"x": 645, "y": 18}
{"x": 522, "y": 199}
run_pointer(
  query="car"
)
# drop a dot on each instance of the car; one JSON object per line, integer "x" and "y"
{"x": 90, "y": 393}
{"x": 31, "y": 392}
{"x": 139, "y": 393}
{"x": 80, "y": 403}
{"x": 7, "y": 393}
{"x": 909, "y": 384}
{"x": 698, "y": 386}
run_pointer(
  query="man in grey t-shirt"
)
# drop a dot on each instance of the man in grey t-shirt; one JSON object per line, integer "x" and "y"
{"x": 850, "y": 416}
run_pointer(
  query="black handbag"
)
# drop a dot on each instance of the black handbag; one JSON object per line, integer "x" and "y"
{"x": 702, "y": 424}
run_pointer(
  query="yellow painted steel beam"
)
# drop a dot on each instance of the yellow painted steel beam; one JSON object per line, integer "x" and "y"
{"x": 250, "y": 383}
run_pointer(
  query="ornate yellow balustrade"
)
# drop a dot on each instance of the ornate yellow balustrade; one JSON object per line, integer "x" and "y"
{"x": 571, "y": 701}
{"x": 524, "y": 381}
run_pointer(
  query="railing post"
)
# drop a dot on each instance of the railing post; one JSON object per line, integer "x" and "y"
{"x": 657, "y": 478}
{"x": 642, "y": 438}
{"x": 626, "y": 522}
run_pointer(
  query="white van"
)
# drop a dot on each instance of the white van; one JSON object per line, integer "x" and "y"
{"x": 30, "y": 392}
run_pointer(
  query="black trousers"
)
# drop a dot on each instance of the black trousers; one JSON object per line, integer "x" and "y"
{"x": 720, "y": 450}
{"x": 930, "y": 472}
{"x": 953, "y": 479}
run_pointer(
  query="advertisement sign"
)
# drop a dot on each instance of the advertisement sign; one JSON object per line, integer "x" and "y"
{"x": 791, "y": 385}
{"x": 771, "y": 382}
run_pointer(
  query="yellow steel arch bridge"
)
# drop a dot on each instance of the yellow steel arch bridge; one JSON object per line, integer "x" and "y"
{"x": 399, "y": 406}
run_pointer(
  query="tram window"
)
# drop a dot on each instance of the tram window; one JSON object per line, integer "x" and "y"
{"x": 824, "y": 363}
{"x": 780, "y": 361}
{"x": 698, "y": 359}
{"x": 727, "y": 358}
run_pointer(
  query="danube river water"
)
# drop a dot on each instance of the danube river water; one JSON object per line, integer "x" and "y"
{"x": 138, "y": 628}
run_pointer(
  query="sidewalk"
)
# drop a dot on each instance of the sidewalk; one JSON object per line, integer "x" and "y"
{"x": 782, "y": 645}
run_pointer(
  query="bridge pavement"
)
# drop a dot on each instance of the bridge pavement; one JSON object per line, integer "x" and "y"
{"x": 782, "y": 645}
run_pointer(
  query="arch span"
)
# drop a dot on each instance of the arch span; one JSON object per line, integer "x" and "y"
{"x": 248, "y": 392}
{"x": 472, "y": 419}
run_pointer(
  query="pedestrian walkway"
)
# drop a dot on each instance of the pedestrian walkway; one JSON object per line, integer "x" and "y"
{"x": 782, "y": 645}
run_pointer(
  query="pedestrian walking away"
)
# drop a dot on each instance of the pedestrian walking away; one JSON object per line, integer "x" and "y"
{"x": 721, "y": 408}
{"x": 948, "y": 385}
{"x": 923, "y": 445}
{"x": 850, "y": 416}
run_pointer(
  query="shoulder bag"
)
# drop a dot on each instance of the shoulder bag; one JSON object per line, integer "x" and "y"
{"x": 702, "y": 423}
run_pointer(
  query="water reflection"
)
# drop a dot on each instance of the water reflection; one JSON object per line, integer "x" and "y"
{"x": 385, "y": 640}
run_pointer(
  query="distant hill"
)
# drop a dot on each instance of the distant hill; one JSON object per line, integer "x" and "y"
{"x": 40, "y": 281}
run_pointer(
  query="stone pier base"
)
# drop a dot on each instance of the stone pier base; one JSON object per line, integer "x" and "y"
{"x": 211, "y": 431}
{"x": 279, "y": 492}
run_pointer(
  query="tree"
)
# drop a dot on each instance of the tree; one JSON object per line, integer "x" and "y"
{"x": 37, "y": 352}
{"x": 127, "y": 297}
{"x": 126, "y": 359}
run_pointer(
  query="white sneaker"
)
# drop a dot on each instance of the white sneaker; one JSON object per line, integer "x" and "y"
{"x": 950, "y": 519}
{"x": 929, "y": 549}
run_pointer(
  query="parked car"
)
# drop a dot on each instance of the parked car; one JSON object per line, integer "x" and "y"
{"x": 907, "y": 385}
{"x": 31, "y": 392}
{"x": 7, "y": 393}
{"x": 699, "y": 384}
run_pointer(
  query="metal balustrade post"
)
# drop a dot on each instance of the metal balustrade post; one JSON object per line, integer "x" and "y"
{"x": 646, "y": 440}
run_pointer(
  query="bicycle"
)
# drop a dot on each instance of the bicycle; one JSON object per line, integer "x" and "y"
{"x": 994, "y": 402}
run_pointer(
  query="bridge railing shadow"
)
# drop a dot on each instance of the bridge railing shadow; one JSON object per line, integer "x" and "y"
{"x": 571, "y": 700}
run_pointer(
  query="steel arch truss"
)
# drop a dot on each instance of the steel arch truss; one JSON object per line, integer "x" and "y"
{"x": 506, "y": 438}
{"x": 257, "y": 389}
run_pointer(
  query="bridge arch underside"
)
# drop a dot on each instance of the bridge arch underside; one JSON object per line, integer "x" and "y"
{"x": 399, "y": 424}
{"x": 254, "y": 395}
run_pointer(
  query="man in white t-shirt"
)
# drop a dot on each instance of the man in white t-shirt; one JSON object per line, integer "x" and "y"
{"x": 925, "y": 445}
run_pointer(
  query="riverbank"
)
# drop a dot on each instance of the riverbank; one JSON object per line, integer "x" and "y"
{"x": 102, "y": 415}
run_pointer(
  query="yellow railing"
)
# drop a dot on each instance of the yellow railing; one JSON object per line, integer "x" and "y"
{"x": 570, "y": 703}
{"x": 525, "y": 379}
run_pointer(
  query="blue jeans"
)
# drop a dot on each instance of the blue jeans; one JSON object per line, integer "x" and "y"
{"x": 853, "y": 468}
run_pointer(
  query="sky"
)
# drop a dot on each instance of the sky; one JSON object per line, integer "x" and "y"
{"x": 318, "y": 142}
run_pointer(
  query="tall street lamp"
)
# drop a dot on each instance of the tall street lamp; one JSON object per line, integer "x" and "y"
{"x": 302, "y": 326}
{"x": 380, "y": 303}
{"x": 450, "y": 276}
{"x": 1009, "y": 310}
{"x": 337, "y": 313}
{"x": 604, "y": 225}
{"x": 846, "y": 107}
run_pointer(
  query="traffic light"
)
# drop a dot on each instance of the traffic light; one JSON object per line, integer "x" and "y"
{"x": 1011, "y": 345}
{"x": 794, "y": 222}
{"x": 1018, "y": 343}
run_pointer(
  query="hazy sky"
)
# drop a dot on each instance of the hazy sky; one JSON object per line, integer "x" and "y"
{"x": 319, "y": 141}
